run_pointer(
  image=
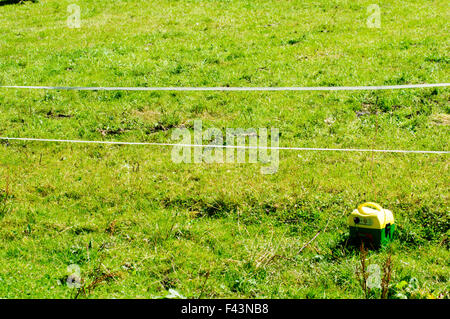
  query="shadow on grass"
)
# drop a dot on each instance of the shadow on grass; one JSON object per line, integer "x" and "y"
{"x": 344, "y": 248}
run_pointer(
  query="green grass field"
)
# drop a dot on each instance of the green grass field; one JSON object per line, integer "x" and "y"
{"x": 138, "y": 225}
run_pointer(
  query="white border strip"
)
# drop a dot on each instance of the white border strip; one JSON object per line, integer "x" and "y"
{"x": 221, "y": 146}
{"x": 289, "y": 88}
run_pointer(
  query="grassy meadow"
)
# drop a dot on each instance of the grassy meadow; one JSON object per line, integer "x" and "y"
{"x": 139, "y": 225}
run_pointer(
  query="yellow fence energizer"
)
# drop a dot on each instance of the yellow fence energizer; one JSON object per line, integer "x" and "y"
{"x": 372, "y": 224}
